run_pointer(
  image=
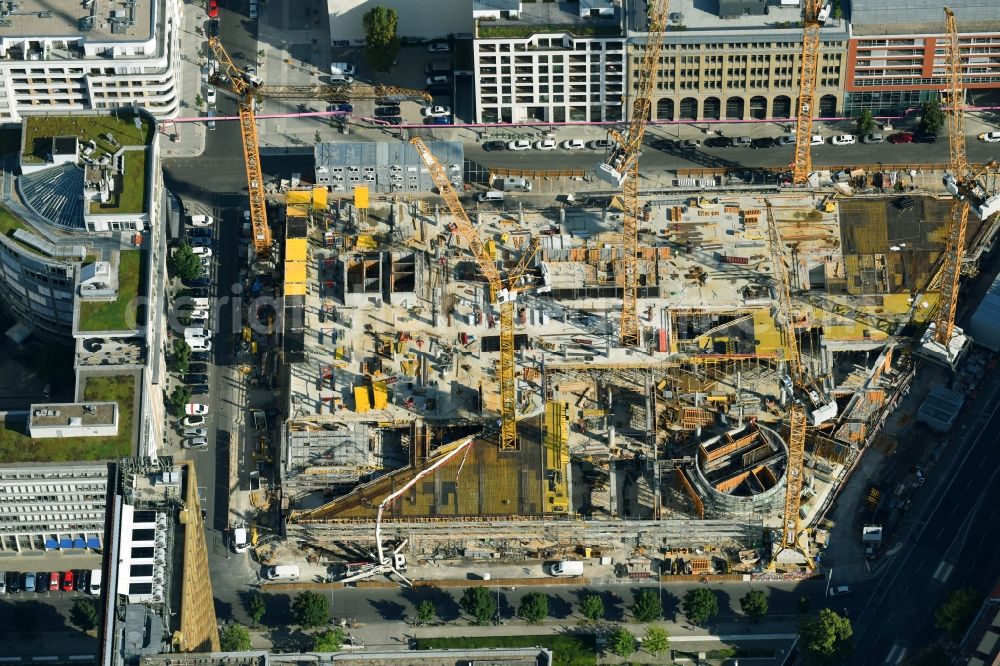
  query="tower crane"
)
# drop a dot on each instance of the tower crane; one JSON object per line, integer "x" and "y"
{"x": 503, "y": 292}
{"x": 247, "y": 88}
{"x": 621, "y": 167}
{"x": 802, "y": 164}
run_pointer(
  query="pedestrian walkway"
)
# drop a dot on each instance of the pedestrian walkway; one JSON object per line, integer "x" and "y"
{"x": 188, "y": 139}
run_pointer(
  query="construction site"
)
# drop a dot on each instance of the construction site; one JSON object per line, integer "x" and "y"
{"x": 665, "y": 374}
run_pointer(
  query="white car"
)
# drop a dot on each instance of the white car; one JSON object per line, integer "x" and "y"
{"x": 545, "y": 144}
{"x": 438, "y": 47}
{"x": 202, "y": 220}
{"x": 196, "y": 333}
{"x": 195, "y": 409}
{"x": 195, "y": 443}
{"x": 195, "y": 432}
{"x": 435, "y": 111}
{"x": 990, "y": 137}
{"x": 194, "y": 421}
{"x": 520, "y": 144}
{"x": 843, "y": 140}
{"x": 816, "y": 140}
{"x": 198, "y": 314}
{"x": 573, "y": 144}
{"x": 210, "y": 95}
{"x": 199, "y": 344}
{"x": 786, "y": 140}
{"x": 201, "y": 251}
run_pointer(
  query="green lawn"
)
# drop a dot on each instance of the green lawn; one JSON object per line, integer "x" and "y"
{"x": 9, "y": 224}
{"x": 38, "y": 129}
{"x": 119, "y": 314}
{"x": 130, "y": 189}
{"x": 567, "y": 650}
{"x": 17, "y": 446}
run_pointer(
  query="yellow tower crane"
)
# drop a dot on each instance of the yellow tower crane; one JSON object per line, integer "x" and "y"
{"x": 621, "y": 168}
{"x": 247, "y": 88}
{"x": 503, "y": 291}
{"x": 802, "y": 164}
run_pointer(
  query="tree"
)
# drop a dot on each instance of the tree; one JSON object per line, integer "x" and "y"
{"x": 235, "y": 638}
{"x": 931, "y": 117}
{"x": 647, "y": 607}
{"x": 329, "y": 640}
{"x": 838, "y": 13}
{"x": 311, "y": 609}
{"x": 184, "y": 263}
{"x": 180, "y": 359}
{"x": 426, "y": 612}
{"x": 479, "y": 603}
{"x": 84, "y": 614}
{"x": 255, "y": 607}
{"x": 180, "y": 396}
{"x": 622, "y": 641}
{"x": 381, "y": 42}
{"x": 657, "y": 640}
{"x": 199, "y": 100}
{"x": 754, "y": 604}
{"x": 534, "y": 607}
{"x": 866, "y": 122}
{"x": 700, "y": 605}
{"x": 826, "y": 639}
{"x": 957, "y": 612}
{"x": 592, "y": 607}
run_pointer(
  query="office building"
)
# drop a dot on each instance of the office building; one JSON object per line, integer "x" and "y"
{"x": 52, "y": 506}
{"x": 730, "y": 61}
{"x": 67, "y": 55}
{"x": 896, "y": 58}
{"x": 548, "y": 62}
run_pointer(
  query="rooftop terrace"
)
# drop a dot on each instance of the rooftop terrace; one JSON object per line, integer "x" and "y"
{"x": 39, "y": 130}
{"x": 541, "y": 17}
{"x": 119, "y": 314}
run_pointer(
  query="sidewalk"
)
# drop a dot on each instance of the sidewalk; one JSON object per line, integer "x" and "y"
{"x": 190, "y": 137}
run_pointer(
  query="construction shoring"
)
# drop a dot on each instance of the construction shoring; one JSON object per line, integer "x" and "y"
{"x": 802, "y": 163}
{"x": 959, "y": 221}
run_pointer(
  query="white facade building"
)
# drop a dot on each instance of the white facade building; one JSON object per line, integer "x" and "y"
{"x": 64, "y": 55}
{"x": 541, "y": 62}
{"x": 52, "y": 506}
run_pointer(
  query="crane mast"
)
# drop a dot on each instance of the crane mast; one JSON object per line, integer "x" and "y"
{"x": 498, "y": 294}
{"x": 621, "y": 168}
{"x": 944, "y": 324}
{"x": 802, "y": 163}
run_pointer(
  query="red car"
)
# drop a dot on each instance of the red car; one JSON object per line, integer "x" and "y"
{"x": 54, "y": 581}
{"x": 901, "y": 137}
{"x": 68, "y": 581}
{"x": 213, "y": 8}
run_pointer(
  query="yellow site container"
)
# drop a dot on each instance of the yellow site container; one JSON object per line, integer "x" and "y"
{"x": 361, "y": 403}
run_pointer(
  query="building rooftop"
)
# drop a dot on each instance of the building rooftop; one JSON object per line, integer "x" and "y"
{"x": 689, "y": 15}
{"x": 96, "y": 21}
{"x": 885, "y": 17}
{"x": 384, "y": 166}
{"x": 81, "y": 414}
{"x": 109, "y": 132}
{"x": 547, "y": 17}
{"x": 118, "y": 314}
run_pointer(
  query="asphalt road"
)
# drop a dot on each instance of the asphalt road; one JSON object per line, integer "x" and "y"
{"x": 949, "y": 540}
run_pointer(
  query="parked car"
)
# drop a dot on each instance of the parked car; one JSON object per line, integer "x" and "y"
{"x": 545, "y": 144}
{"x": 199, "y": 389}
{"x": 196, "y": 432}
{"x": 29, "y": 582}
{"x": 717, "y": 142}
{"x": 200, "y": 356}
{"x": 195, "y": 443}
{"x": 786, "y": 140}
{"x": 840, "y": 591}
{"x": 433, "y": 111}
{"x": 67, "y": 581}
{"x": 198, "y": 368}
{"x": 393, "y": 120}
{"x": 598, "y": 144}
{"x": 495, "y": 146}
{"x": 193, "y": 421}
{"x": 573, "y": 144}
{"x": 80, "y": 580}
{"x": 438, "y": 47}
{"x": 439, "y": 81}
{"x": 54, "y": 581}
{"x": 195, "y": 379}
{"x": 13, "y": 582}
{"x": 741, "y": 142}
{"x": 200, "y": 242}
{"x": 195, "y": 409}
{"x": 874, "y": 137}
{"x": 200, "y": 230}
{"x": 690, "y": 143}
{"x": 990, "y": 137}
{"x": 3, "y": 583}
{"x": 346, "y": 108}
{"x": 441, "y": 120}
{"x": 254, "y": 10}
{"x": 211, "y": 95}
{"x": 200, "y": 344}
{"x": 196, "y": 332}
{"x": 901, "y": 137}
{"x": 198, "y": 282}
{"x": 520, "y": 144}
{"x": 385, "y": 111}
{"x": 843, "y": 140}
{"x": 764, "y": 142}
{"x": 202, "y": 251}
{"x": 213, "y": 8}
{"x": 924, "y": 137}
{"x": 213, "y": 28}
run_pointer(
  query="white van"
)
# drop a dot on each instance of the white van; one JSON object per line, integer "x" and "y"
{"x": 511, "y": 184}
{"x": 341, "y": 69}
{"x": 491, "y": 196}
{"x": 289, "y": 571}
{"x": 95, "y": 583}
{"x": 567, "y": 568}
{"x": 240, "y": 541}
